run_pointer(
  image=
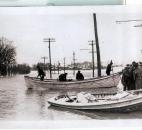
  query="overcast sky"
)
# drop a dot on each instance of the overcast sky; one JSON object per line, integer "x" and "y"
{"x": 28, "y": 26}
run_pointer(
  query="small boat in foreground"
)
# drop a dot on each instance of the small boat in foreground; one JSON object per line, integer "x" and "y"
{"x": 102, "y": 84}
{"x": 123, "y": 101}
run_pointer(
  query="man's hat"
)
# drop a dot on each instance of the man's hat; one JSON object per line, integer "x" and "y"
{"x": 111, "y": 62}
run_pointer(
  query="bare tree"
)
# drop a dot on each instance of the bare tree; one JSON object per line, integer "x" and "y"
{"x": 7, "y": 56}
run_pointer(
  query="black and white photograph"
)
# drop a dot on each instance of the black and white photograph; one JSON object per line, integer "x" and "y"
{"x": 71, "y": 64}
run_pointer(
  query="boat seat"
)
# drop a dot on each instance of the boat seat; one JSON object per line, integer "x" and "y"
{"x": 119, "y": 96}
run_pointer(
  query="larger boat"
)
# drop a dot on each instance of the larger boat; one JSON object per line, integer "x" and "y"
{"x": 100, "y": 85}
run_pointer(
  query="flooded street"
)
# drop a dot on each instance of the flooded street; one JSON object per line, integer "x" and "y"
{"x": 19, "y": 104}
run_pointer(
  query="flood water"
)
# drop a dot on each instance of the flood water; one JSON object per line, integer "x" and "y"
{"x": 18, "y": 103}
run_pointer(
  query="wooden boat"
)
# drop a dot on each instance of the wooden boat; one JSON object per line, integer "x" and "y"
{"x": 126, "y": 101}
{"x": 100, "y": 85}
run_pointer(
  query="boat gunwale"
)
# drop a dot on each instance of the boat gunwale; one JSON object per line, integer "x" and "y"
{"x": 72, "y": 82}
{"x": 114, "y": 102}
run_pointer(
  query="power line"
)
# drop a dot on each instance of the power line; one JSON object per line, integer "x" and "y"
{"x": 130, "y": 20}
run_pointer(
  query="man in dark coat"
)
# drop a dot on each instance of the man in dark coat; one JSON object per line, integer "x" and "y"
{"x": 109, "y": 68}
{"x": 41, "y": 73}
{"x": 138, "y": 76}
{"x": 79, "y": 76}
{"x": 63, "y": 77}
{"x": 126, "y": 78}
{"x": 128, "y": 75}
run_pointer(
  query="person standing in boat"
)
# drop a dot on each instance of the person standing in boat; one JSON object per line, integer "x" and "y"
{"x": 109, "y": 68}
{"x": 79, "y": 76}
{"x": 138, "y": 76}
{"x": 63, "y": 77}
{"x": 41, "y": 73}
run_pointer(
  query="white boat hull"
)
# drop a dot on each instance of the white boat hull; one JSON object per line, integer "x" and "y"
{"x": 106, "y": 84}
{"x": 129, "y": 103}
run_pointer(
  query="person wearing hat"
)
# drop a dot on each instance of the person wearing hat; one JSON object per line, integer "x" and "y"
{"x": 109, "y": 68}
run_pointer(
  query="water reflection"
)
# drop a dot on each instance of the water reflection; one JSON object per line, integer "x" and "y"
{"x": 7, "y": 100}
{"x": 44, "y": 112}
{"x": 63, "y": 113}
{"x": 79, "y": 112}
{"x": 93, "y": 114}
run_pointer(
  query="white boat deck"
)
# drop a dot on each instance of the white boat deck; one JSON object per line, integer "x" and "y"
{"x": 120, "y": 100}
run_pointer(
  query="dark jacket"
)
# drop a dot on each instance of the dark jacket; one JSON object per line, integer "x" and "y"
{"x": 108, "y": 69}
{"x": 63, "y": 77}
{"x": 79, "y": 76}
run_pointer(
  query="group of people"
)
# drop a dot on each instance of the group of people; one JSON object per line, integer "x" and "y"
{"x": 62, "y": 77}
{"x": 132, "y": 76}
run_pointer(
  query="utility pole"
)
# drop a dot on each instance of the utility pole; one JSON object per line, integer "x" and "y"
{"x": 44, "y": 59}
{"x": 64, "y": 64}
{"x": 54, "y": 68}
{"x": 49, "y": 40}
{"x": 92, "y": 43}
{"x": 97, "y": 46}
{"x": 58, "y": 67}
{"x": 74, "y": 63}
